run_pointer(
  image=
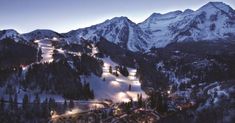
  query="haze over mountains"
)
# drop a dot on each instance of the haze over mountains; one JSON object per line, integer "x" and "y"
{"x": 214, "y": 21}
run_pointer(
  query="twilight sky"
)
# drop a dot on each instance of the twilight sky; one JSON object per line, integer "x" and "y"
{"x": 65, "y": 15}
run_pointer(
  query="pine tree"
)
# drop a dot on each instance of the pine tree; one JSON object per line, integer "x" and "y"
{"x": 153, "y": 100}
{"x": 2, "y": 105}
{"x": 129, "y": 88}
{"x": 45, "y": 109}
{"x": 116, "y": 70}
{"x": 52, "y": 104}
{"x": 71, "y": 104}
{"x": 140, "y": 101}
{"x": 11, "y": 104}
{"x": 15, "y": 101}
{"x": 25, "y": 104}
{"x": 124, "y": 71}
{"x": 36, "y": 105}
{"x": 65, "y": 105}
{"x": 110, "y": 69}
{"x": 92, "y": 94}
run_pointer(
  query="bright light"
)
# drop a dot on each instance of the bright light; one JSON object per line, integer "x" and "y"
{"x": 125, "y": 100}
{"x": 121, "y": 95}
{"x": 60, "y": 50}
{"x": 94, "y": 50}
{"x": 36, "y": 41}
{"x": 47, "y": 48}
{"x": 132, "y": 74}
{"x": 106, "y": 65}
{"x": 96, "y": 106}
{"x": 54, "y": 114}
{"x": 24, "y": 68}
{"x": 73, "y": 111}
{"x": 105, "y": 74}
{"x": 120, "y": 80}
{"x": 54, "y": 39}
{"x": 168, "y": 91}
{"x": 50, "y": 60}
{"x": 133, "y": 71}
{"x": 131, "y": 77}
{"x": 115, "y": 83}
{"x": 133, "y": 95}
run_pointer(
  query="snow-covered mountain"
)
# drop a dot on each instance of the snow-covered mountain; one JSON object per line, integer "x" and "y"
{"x": 10, "y": 33}
{"x": 40, "y": 34}
{"x": 213, "y": 21}
{"x": 119, "y": 30}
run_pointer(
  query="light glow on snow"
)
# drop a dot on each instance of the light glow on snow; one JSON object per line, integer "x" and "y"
{"x": 120, "y": 80}
{"x": 73, "y": 111}
{"x": 115, "y": 83}
{"x": 60, "y": 50}
{"x": 131, "y": 77}
{"x": 96, "y": 106}
{"x": 55, "y": 39}
{"x": 36, "y": 41}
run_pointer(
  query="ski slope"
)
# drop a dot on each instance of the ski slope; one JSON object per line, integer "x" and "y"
{"x": 115, "y": 88}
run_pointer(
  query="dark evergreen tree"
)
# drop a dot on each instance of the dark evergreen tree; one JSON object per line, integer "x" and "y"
{"x": 52, "y": 104}
{"x": 45, "y": 109}
{"x": 25, "y": 103}
{"x": 71, "y": 104}
{"x": 140, "y": 101}
{"x": 153, "y": 100}
{"x": 15, "y": 101}
{"x": 110, "y": 69}
{"x": 11, "y": 103}
{"x": 129, "y": 87}
{"x": 124, "y": 71}
{"x": 92, "y": 96}
{"x": 65, "y": 106}
{"x": 36, "y": 105}
{"x": 2, "y": 105}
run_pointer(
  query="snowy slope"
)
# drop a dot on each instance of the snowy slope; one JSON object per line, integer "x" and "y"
{"x": 119, "y": 30}
{"x": 115, "y": 88}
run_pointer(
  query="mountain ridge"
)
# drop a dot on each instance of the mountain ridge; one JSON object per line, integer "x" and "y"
{"x": 212, "y": 22}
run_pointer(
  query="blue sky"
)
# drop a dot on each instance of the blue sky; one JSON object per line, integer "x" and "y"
{"x": 66, "y": 15}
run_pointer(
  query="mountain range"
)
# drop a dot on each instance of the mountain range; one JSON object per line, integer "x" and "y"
{"x": 215, "y": 21}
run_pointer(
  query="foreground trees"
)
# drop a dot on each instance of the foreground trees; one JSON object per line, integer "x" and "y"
{"x": 28, "y": 111}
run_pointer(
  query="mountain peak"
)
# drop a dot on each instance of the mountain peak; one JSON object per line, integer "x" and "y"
{"x": 118, "y": 19}
{"x": 173, "y": 13}
{"x": 188, "y": 11}
{"x": 9, "y": 33}
{"x": 9, "y": 30}
{"x": 216, "y": 5}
